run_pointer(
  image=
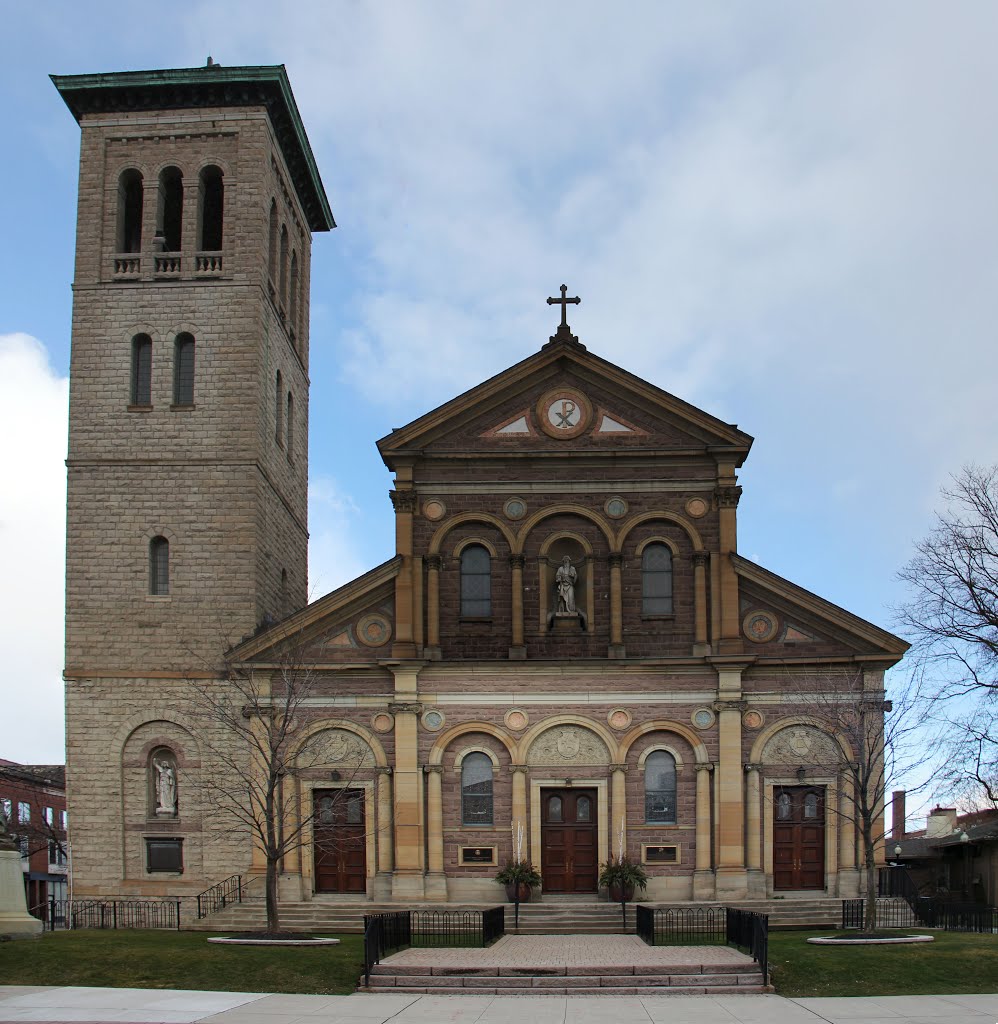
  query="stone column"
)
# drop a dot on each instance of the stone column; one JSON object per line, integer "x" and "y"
{"x": 519, "y": 810}
{"x": 615, "y": 560}
{"x": 404, "y": 502}
{"x": 845, "y": 819}
{"x": 700, "y": 560}
{"x": 753, "y": 830}
{"x": 618, "y": 806}
{"x": 432, "y": 563}
{"x": 407, "y": 880}
{"x": 386, "y": 855}
{"x": 703, "y": 878}
{"x": 517, "y": 650}
{"x": 731, "y": 878}
{"x": 436, "y": 883}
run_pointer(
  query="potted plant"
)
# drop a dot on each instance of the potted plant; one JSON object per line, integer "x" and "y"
{"x": 621, "y": 876}
{"x": 519, "y": 877}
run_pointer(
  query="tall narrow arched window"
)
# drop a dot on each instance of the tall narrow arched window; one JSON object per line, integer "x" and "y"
{"x": 159, "y": 567}
{"x": 129, "y": 211}
{"x": 279, "y": 409}
{"x": 476, "y": 582}
{"x": 183, "y": 370}
{"x": 170, "y": 208}
{"x": 293, "y": 298}
{"x": 141, "y": 385}
{"x": 291, "y": 426}
{"x": 283, "y": 269}
{"x": 656, "y": 580}
{"x": 211, "y": 209}
{"x": 476, "y": 790}
{"x": 660, "y": 788}
{"x": 272, "y": 243}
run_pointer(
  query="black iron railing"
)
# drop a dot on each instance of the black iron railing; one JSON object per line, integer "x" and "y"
{"x": 109, "y": 914}
{"x": 897, "y": 912}
{"x": 750, "y": 932}
{"x": 680, "y": 926}
{"x": 220, "y": 896}
{"x": 385, "y": 934}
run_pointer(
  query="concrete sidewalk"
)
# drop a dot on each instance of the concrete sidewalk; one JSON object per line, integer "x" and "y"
{"x": 148, "y": 1006}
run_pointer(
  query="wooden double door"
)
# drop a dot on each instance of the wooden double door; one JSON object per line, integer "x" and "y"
{"x": 798, "y": 837}
{"x": 569, "y": 861}
{"x": 339, "y": 840}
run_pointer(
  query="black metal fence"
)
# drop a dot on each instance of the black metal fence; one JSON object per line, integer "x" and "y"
{"x": 699, "y": 926}
{"x": 896, "y": 912}
{"x": 218, "y": 897}
{"x": 385, "y": 934}
{"x": 110, "y": 914}
{"x": 671, "y": 926}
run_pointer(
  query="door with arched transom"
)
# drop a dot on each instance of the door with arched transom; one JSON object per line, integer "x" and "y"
{"x": 798, "y": 837}
{"x": 569, "y": 862}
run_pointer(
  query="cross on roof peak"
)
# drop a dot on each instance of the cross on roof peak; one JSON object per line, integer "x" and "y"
{"x": 564, "y": 332}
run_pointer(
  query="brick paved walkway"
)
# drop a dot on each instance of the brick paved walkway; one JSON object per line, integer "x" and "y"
{"x": 569, "y": 951}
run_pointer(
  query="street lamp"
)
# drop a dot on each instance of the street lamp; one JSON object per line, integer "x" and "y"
{"x": 897, "y": 853}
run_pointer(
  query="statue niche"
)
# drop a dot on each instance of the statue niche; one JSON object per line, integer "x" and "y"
{"x": 567, "y": 568}
{"x": 162, "y": 775}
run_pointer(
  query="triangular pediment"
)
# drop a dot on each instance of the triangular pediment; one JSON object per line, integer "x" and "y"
{"x": 352, "y": 624}
{"x": 778, "y": 617}
{"x": 561, "y": 399}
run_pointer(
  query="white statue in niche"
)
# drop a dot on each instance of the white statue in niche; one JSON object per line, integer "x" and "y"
{"x": 564, "y": 580}
{"x": 166, "y": 786}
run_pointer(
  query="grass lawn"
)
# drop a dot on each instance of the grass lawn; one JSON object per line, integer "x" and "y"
{"x": 955, "y": 962}
{"x": 160, "y": 959}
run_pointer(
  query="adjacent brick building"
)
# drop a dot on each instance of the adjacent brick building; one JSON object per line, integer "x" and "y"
{"x": 566, "y": 651}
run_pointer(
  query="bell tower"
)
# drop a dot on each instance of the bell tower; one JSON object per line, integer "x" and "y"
{"x": 188, "y": 439}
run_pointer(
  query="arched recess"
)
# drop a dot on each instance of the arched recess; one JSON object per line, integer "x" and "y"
{"x": 535, "y": 732}
{"x": 566, "y": 535}
{"x": 676, "y": 755}
{"x": 149, "y": 717}
{"x": 330, "y": 724}
{"x": 477, "y": 749}
{"x": 629, "y": 739}
{"x": 799, "y": 720}
{"x": 468, "y": 541}
{"x": 566, "y": 509}
{"x": 445, "y": 739}
{"x": 663, "y": 514}
{"x": 469, "y": 517}
{"x": 670, "y": 544}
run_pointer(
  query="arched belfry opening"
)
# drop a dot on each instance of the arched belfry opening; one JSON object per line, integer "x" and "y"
{"x": 170, "y": 209}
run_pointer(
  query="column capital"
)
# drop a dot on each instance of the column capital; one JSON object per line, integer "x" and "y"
{"x": 704, "y": 766}
{"x": 700, "y": 558}
{"x": 433, "y": 769}
{"x": 517, "y": 561}
{"x": 729, "y": 705}
{"x": 383, "y": 770}
{"x": 413, "y": 708}
{"x": 615, "y": 559}
{"x": 514, "y": 768}
{"x": 618, "y": 767}
{"x": 433, "y": 562}
{"x": 403, "y": 501}
{"x": 727, "y": 495}
{"x": 750, "y": 767}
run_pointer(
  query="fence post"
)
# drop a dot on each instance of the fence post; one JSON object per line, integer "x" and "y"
{"x": 51, "y": 913}
{"x": 239, "y": 887}
{"x": 178, "y": 915}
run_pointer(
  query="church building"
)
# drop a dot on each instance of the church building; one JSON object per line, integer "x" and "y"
{"x": 565, "y": 656}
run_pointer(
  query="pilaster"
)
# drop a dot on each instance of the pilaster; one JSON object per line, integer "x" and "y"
{"x": 616, "y": 649}
{"x": 517, "y": 650}
{"x": 407, "y": 881}
{"x": 404, "y": 503}
{"x": 731, "y": 877}
{"x": 703, "y": 877}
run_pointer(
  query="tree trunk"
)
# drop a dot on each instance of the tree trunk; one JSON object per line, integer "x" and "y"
{"x": 273, "y": 911}
{"x": 870, "y": 914}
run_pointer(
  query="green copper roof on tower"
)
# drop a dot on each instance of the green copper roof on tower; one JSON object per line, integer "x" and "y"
{"x": 217, "y": 86}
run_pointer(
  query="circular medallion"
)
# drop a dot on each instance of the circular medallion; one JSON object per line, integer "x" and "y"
{"x": 702, "y": 718}
{"x": 619, "y": 719}
{"x": 760, "y": 626}
{"x": 515, "y": 719}
{"x": 752, "y": 719}
{"x": 697, "y": 508}
{"x": 564, "y": 413}
{"x": 434, "y": 509}
{"x": 382, "y": 722}
{"x": 615, "y": 507}
{"x": 374, "y": 630}
{"x": 433, "y": 720}
{"x": 515, "y": 508}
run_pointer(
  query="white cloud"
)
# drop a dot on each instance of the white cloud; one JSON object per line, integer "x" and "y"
{"x": 334, "y": 557}
{"x": 33, "y": 423}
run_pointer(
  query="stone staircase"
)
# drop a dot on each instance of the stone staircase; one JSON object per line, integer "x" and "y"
{"x": 551, "y": 916}
{"x": 676, "y": 979}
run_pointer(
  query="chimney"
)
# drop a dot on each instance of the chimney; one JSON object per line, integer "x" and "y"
{"x": 897, "y": 814}
{"x": 940, "y": 823}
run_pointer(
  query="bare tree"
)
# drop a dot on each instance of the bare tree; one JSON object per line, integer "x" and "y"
{"x": 878, "y": 742}
{"x": 952, "y": 617}
{"x": 254, "y": 731}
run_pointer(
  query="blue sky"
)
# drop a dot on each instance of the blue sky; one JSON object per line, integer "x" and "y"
{"x": 783, "y": 213}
